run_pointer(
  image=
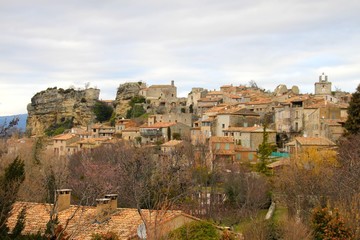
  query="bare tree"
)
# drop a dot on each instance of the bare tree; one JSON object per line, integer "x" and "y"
{"x": 146, "y": 183}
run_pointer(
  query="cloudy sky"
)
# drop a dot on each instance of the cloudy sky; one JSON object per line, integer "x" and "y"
{"x": 197, "y": 43}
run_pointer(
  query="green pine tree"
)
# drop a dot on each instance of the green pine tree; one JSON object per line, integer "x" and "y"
{"x": 352, "y": 125}
{"x": 264, "y": 152}
{"x": 10, "y": 183}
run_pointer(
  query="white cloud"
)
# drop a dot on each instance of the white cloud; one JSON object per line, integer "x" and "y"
{"x": 203, "y": 43}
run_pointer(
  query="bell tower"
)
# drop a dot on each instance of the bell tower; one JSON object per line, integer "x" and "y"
{"x": 323, "y": 87}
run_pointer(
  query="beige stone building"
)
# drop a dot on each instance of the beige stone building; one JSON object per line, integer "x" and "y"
{"x": 131, "y": 134}
{"x": 185, "y": 118}
{"x": 289, "y": 115}
{"x": 194, "y": 96}
{"x": 250, "y": 137}
{"x": 234, "y": 118}
{"x": 325, "y": 119}
{"x": 303, "y": 144}
{"x": 170, "y": 146}
{"x": 156, "y": 132}
{"x": 101, "y": 130}
{"x": 60, "y": 142}
{"x": 161, "y": 95}
{"x": 222, "y": 152}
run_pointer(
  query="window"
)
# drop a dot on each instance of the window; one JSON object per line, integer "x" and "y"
{"x": 227, "y": 146}
{"x": 223, "y": 126}
{"x": 251, "y": 156}
{"x": 238, "y": 156}
{"x": 217, "y": 146}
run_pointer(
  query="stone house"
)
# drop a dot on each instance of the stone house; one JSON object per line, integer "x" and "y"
{"x": 101, "y": 130}
{"x": 82, "y": 222}
{"x": 121, "y": 124}
{"x": 159, "y": 131}
{"x": 245, "y": 154}
{"x": 302, "y": 144}
{"x": 170, "y": 146}
{"x": 180, "y": 129}
{"x": 289, "y": 115}
{"x": 234, "y": 118}
{"x": 202, "y": 130}
{"x": 233, "y": 98}
{"x": 185, "y": 118}
{"x": 207, "y": 103}
{"x": 323, "y": 119}
{"x": 249, "y": 137}
{"x": 60, "y": 143}
{"x": 262, "y": 105}
{"x": 91, "y": 143}
{"x": 222, "y": 151}
{"x": 160, "y": 95}
{"x": 193, "y": 97}
{"x": 131, "y": 134}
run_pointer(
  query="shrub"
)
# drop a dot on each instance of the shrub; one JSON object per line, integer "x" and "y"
{"x": 195, "y": 231}
{"x": 176, "y": 136}
{"x": 59, "y": 128}
{"x": 105, "y": 236}
{"x": 102, "y": 111}
{"x": 328, "y": 225}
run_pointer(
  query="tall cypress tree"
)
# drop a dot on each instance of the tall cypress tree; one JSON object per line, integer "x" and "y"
{"x": 352, "y": 125}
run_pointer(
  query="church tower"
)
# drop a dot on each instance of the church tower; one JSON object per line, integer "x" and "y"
{"x": 323, "y": 87}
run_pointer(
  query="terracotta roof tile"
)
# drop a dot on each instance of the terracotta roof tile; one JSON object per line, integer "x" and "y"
{"x": 317, "y": 141}
{"x": 124, "y": 221}
{"x": 222, "y": 139}
{"x": 172, "y": 143}
{"x": 66, "y": 136}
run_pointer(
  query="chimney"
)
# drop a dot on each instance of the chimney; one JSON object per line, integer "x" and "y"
{"x": 172, "y": 82}
{"x": 113, "y": 201}
{"x": 102, "y": 209}
{"x": 62, "y": 197}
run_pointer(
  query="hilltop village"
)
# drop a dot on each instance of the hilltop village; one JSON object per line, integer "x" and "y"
{"x": 230, "y": 120}
{"x": 239, "y": 162}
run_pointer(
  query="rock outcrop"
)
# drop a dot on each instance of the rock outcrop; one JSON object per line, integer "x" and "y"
{"x": 124, "y": 94}
{"x": 54, "y": 106}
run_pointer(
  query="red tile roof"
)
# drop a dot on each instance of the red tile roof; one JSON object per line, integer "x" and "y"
{"x": 222, "y": 139}
{"x": 314, "y": 141}
{"x": 66, "y": 136}
{"x": 172, "y": 143}
{"x": 124, "y": 221}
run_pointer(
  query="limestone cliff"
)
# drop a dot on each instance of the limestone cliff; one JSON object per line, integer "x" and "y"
{"x": 124, "y": 93}
{"x": 54, "y": 106}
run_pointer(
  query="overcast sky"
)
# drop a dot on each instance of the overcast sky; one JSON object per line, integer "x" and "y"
{"x": 197, "y": 43}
